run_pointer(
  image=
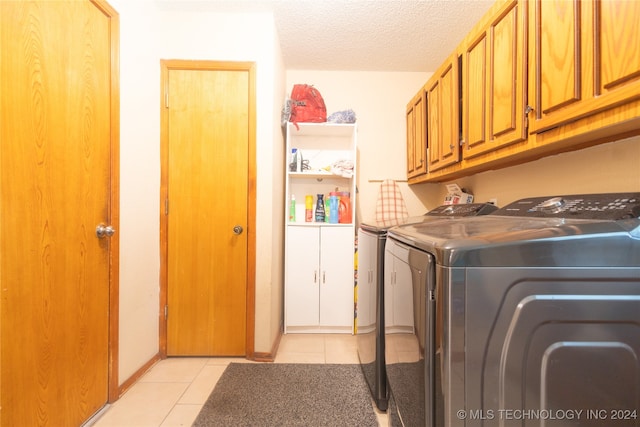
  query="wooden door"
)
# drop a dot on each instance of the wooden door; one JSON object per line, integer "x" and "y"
{"x": 450, "y": 114}
{"x": 206, "y": 194}
{"x": 617, "y": 63}
{"x": 58, "y": 181}
{"x": 494, "y": 82}
{"x": 416, "y": 138}
{"x": 556, "y": 52}
{"x": 443, "y": 115}
{"x": 585, "y": 59}
{"x": 433, "y": 123}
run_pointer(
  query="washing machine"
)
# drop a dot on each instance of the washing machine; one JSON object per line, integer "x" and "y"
{"x": 529, "y": 316}
{"x": 370, "y": 307}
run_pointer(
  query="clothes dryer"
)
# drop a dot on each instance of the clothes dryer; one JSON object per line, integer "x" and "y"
{"x": 370, "y": 308}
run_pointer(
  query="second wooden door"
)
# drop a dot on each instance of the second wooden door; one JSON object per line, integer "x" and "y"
{"x": 206, "y": 183}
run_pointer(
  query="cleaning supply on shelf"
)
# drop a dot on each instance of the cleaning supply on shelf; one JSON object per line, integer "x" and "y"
{"x": 326, "y": 209}
{"x": 333, "y": 207}
{"x": 320, "y": 212}
{"x": 344, "y": 210}
{"x": 296, "y": 162}
{"x": 293, "y": 159}
{"x": 292, "y": 209}
{"x": 308, "y": 208}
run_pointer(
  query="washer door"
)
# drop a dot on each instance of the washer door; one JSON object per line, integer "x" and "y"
{"x": 410, "y": 313}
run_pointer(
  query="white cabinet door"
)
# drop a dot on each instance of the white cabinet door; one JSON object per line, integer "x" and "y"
{"x": 337, "y": 276}
{"x": 303, "y": 276}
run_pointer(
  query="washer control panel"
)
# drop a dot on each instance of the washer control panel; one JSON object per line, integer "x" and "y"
{"x": 609, "y": 206}
{"x": 468, "y": 209}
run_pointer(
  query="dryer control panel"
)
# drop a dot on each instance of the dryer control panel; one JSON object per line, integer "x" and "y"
{"x": 608, "y": 206}
{"x": 467, "y": 209}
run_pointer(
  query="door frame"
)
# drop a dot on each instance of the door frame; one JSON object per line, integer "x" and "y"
{"x": 167, "y": 65}
{"x": 113, "y": 392}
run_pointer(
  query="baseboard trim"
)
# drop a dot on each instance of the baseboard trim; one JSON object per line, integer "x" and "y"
{"x": 257, "y": 356}
{"x": 270, "y": 356}
{"x": 138, "y": 374}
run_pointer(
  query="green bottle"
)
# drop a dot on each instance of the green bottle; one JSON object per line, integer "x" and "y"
{"x": 326, "y": 210}
{"x": 292, "y": 209}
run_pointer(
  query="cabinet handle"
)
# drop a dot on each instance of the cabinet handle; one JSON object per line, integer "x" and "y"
{"x": 324, "y": 279}
{"x": 315, "y": 276}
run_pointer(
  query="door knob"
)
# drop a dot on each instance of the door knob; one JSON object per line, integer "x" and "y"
{"x": 237, "y": 229}
{"x": 103, "y": 231}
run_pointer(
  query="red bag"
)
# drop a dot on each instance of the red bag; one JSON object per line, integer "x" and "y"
{"x": 307, "y": 105}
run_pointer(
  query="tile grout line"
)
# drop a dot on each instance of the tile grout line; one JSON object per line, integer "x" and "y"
{"x": 183, "y": 393}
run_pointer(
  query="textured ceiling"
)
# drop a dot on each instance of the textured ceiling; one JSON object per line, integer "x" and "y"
{"x": 363, "y": 35}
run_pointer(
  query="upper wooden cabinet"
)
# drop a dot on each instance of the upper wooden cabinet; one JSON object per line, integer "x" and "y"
{"x": 443, "y": 115}
{"x": 416, "y": 137}
{"x": 539, "y": 77}
{"x": 494, "y": 78}
{"x": 585, "y": 59}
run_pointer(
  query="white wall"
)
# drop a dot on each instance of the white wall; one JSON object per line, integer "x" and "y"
{"x": 151, "y": 31}
{"x": 270, "y": 295}
{"x": 606, "y": 168}
{"x": 379, "y": 100}
{"x": 139, "y": 185}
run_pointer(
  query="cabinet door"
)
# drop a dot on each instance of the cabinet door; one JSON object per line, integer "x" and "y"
{"x": 443, "y": 115}
{"x": 336, "y": 276}
{"x": 585, "y": 59}
{"x": 416, "y": 137}
{"x": 617, "y": 49}
{"x": 494, "y": 82}
{"x": 302, "y": 306}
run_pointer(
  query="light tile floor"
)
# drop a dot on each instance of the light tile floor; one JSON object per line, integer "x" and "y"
{"x": 172, "y": 392}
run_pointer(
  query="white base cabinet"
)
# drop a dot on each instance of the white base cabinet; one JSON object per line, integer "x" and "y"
{"x": 319, "y": 279}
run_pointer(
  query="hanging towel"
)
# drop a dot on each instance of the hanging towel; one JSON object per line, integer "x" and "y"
{"x": 390, "y": 207}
